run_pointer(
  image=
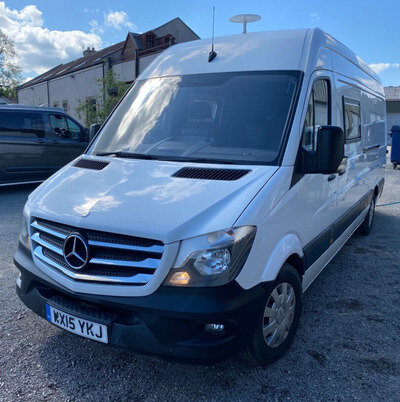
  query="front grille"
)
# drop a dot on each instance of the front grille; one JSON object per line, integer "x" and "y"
{"x": 113, "y": 258}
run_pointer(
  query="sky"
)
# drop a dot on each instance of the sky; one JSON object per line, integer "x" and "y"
{"x": 50, "y": 32}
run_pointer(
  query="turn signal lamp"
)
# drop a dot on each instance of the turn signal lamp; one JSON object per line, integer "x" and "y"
{"x": 180, "y": 278}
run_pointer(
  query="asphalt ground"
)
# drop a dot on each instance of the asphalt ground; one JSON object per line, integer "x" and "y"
{"x": 347, "y": 345}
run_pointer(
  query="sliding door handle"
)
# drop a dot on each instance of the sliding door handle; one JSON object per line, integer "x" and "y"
{"x": 40, "y": 141}
{"x": 370, "y": 148}
{"x": 331, "y": 177}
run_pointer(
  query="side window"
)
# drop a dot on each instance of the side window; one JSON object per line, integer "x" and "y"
{"x": 317, "y": 113}
{"x": 75, "y": 132}
{"x": 21, "y": 124}
{"x": 58, "y": 124}
{"x": 352, "y": 119}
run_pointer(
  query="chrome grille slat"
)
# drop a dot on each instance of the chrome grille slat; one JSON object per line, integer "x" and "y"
{"x": 138, "y": 279}
{"x": 114, "y": 258}
{"x": 151, "y": 249}
{"x": 36, "y": 225}
{"x": 147, "y": 263}
{"x": 37, "y": 239}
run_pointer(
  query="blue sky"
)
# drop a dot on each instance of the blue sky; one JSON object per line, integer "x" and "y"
{"x": 47, "y": 33}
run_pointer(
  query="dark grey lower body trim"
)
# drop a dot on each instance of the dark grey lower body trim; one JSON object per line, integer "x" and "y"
{"x": 320, "y": 244}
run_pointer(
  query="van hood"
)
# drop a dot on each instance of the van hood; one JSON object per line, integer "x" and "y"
{"x": 141, "y": 198}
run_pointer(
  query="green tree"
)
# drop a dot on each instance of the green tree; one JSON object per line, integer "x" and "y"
{"x": 10, "y": 72}
{"x": 96, "y": 110}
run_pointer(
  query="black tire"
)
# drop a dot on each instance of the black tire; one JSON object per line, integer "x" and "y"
{"x": 258, "y": 351}
{"x": 366, "y": 226}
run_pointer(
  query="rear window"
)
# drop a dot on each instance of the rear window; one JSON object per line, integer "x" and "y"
{"x": 21, "y": 124}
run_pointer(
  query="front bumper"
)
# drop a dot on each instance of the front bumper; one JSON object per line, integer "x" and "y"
{"x": 168, "y": 323}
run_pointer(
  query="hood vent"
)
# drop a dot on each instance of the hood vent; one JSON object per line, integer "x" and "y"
{"x": 210, "y": 174}
{"x": 92, "y": 164}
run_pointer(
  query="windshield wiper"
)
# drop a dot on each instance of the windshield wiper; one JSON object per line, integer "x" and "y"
{"x": 125, "y": 154}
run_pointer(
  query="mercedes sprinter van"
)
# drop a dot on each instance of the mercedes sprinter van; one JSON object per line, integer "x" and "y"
{"x": 210, "y": 199}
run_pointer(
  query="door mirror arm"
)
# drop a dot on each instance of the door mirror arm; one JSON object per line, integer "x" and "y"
{"x": 94, "y": 128}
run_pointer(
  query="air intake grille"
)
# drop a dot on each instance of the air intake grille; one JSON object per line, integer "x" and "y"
{"x": 114, "y": 258}
{"x": 210, "y": 174}
{"x": 91, "y": 164}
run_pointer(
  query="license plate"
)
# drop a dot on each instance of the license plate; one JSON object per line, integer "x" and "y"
{"x": 76, "y": 325}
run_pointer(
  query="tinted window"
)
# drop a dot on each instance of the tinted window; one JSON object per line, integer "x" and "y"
{"x": 240, "y": 117}
{"x": 317, "y": 113}
{"x": 64, "y": 128}
{"x": 352, "y": 119}
{"x": 75, "y": 132}
{"x": 21, "y": 124}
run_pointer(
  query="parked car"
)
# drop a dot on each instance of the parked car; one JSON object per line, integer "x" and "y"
{"x": 35, "y": 142}
{"x": 212, "y": 197}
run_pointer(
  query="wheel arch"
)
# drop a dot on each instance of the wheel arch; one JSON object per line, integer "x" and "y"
{"x": 288, "y": 250}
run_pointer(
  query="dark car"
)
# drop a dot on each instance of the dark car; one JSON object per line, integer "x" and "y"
{"x": 37, "y": 141}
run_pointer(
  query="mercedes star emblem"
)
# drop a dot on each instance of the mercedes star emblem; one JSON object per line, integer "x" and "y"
{"x": 76, "y": 251}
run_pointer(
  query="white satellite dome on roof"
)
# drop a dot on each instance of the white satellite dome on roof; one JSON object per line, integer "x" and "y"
{"x": 244, "y": 19}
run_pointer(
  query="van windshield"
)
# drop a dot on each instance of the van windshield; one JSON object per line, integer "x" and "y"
{"x": 223, "y": 117}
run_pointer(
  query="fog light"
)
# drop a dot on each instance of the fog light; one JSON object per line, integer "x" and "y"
{"x": 214, "y": 329}
{"x": 180, "y": 278}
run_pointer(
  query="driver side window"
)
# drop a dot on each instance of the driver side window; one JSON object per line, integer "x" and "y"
{"x": 75, "y": 131}
{"x": 65, "y": 128}
{"x": 317, "y": 113}
{"x": 59, "y": 125}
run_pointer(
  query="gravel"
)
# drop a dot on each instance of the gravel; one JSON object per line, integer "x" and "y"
{"x": 347, "y": 345}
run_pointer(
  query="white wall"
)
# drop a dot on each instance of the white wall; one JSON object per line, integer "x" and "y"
{"x": 35, "y": 95}
{"x": 125, "y": 71}
{"x": 73, "y": 88}
{"x": 76, "y": 87}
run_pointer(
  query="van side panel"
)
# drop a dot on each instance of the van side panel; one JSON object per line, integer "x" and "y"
{"x": 294, "y": 221}
{"x": 367, "y": 153}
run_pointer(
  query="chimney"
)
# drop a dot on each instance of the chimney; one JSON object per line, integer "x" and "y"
{"x": 89, "y": 52}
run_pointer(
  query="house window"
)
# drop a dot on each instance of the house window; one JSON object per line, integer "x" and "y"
{"x": 149, "y": 40}
{"x": 352, "y": 119}
{"x": 317, "y": 113}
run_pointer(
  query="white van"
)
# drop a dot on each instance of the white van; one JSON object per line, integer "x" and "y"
{"x": 211, "y": 198}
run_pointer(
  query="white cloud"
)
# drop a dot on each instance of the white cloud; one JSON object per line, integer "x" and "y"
{"x": 380, "y": 67}
{"x": 315, "y": 16}
{"x": 39, "y": 48}
{"x": 95, "y": 27}
{"x": 118, "y": 20}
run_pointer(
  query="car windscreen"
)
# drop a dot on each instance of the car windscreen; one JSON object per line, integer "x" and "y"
{"x": 237, "y": 117}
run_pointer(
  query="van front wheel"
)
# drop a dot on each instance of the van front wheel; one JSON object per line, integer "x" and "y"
{"x": 278, "y": 320}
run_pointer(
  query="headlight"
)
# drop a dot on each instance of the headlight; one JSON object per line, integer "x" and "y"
{"x": 213, "y": 259}
{"x": 24, "y": 237}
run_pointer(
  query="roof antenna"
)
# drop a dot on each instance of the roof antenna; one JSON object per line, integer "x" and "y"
{"x": 244, "y": 19}
{"x": 212, "y": 55}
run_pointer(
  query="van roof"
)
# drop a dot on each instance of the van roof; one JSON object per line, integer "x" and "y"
{"x": 296, "y": 49}
{"x": 32, "y": 108}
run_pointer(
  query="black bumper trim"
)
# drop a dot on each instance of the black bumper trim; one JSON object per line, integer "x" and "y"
{"x": 167, "y": 323}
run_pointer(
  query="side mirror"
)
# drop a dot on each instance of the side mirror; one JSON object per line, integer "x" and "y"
{"x": 329, "y": 153}
{"x": 94, "y": 128}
